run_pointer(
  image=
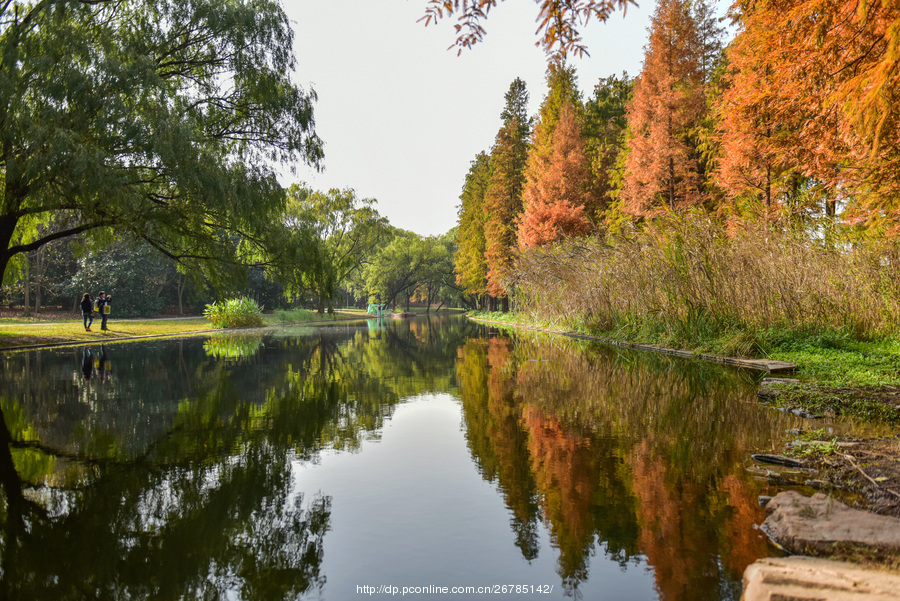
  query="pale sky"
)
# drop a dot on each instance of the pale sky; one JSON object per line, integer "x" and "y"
{"x": 402, "y": 116}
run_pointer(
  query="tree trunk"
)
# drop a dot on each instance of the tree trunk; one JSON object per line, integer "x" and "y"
{"x": 27, "y": 286}
{"x": 39, "y": 276}
{"x": 180, "y": 284}
{"x": 671, "y": 183}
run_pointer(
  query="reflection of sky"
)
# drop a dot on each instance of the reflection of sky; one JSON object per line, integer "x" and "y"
{"x": 411, "y": 509}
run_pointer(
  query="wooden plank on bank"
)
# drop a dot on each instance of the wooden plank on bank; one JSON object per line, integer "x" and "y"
{"x": 758, "y": 364}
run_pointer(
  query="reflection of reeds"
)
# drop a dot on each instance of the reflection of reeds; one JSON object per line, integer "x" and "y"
{"x": 689, "y": 278}
{"x": 699, "y": 415}
{"x": 233, "y": 346}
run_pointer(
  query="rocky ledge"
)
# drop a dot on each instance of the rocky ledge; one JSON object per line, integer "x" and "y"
{"x": 821, "y": 525}
{"x": 815, "y": 579}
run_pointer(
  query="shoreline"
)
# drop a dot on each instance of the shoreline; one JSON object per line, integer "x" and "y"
{"x": 103, "y": 339}
{"x": 766, "y": 365}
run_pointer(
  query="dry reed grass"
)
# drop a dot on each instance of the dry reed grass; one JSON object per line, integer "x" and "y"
{"x": 686, "y": 279}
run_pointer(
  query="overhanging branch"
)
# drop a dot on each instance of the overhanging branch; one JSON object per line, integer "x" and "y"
{"x": 24, "y": 248}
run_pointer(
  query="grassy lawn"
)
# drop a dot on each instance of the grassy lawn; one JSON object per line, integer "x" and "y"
{"x": 842, "y": 363}
{"x": 73, "y": 331}
{"x": 18, "y": 332}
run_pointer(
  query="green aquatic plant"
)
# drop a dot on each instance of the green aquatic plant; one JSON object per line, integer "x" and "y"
{"x": 234, "y": 313}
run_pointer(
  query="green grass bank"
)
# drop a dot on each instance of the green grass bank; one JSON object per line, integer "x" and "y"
{"x": 16, "y": 333}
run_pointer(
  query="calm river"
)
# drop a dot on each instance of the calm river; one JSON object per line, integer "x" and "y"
{"x": 352, "y": 461}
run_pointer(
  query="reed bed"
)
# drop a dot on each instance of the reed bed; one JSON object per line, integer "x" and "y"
{"x": 690, "y": 280}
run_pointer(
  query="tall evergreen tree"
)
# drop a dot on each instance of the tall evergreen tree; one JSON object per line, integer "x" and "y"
{"x": 471, "y": 265}
{"x": 503, "y": 199}
{"x": 562, "y": 89}
{"x": 664, "y": 167}
{"x": 556, "y": 184}
{"x": 605, "y": 125}
{"x": 556, "y": 200}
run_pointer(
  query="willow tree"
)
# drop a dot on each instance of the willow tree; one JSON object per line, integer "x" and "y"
{"x": 161, "y": 119}
{"x": 331, "y": 235}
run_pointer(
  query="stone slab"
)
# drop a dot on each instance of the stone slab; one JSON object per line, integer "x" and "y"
{"x": 815, "y": 579}
{"x": 819, "y": 524}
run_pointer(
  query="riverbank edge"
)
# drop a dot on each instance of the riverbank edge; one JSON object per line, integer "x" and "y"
{"x": 179, "y": 334}
{"x": 766, "y": 365}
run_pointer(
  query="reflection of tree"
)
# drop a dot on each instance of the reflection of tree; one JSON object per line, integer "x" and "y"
{"x": 582, "y": 495}
{"x": 175, "y": 479}
{"x": 164, "y": 526}
{"x": 639, "y": 453}
{"x": 495, "y": 434}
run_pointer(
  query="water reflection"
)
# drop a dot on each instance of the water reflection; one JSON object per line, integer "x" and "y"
{"x": 233, "y": 346}
{"x": 176, "y": 479}
{"x": 637, "y": 454}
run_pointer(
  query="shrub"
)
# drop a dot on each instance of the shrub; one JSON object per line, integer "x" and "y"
{"x": 234, "y": 313}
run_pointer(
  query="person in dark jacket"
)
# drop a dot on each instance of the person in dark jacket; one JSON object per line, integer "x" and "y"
{"x": 87, "y": 311}
{"x": 103, "y": 305}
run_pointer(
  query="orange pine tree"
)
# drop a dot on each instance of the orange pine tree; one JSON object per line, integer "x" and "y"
{"x": 556, "y": 189}
{"x": 664, "y": 167}
{"x": 815, "y": 90}
{"x": 503, "y": 198}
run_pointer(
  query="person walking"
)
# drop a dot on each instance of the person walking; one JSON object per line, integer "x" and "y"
{"x": 103, "y": 305}
{"x": 87, "y": 311}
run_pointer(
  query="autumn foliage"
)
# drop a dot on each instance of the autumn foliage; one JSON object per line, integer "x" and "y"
{"x": 795, "y": 122}
{"x": 813, "y": 95}
{"x": 556, "y": 191}
{"x": 663, "y": 167}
